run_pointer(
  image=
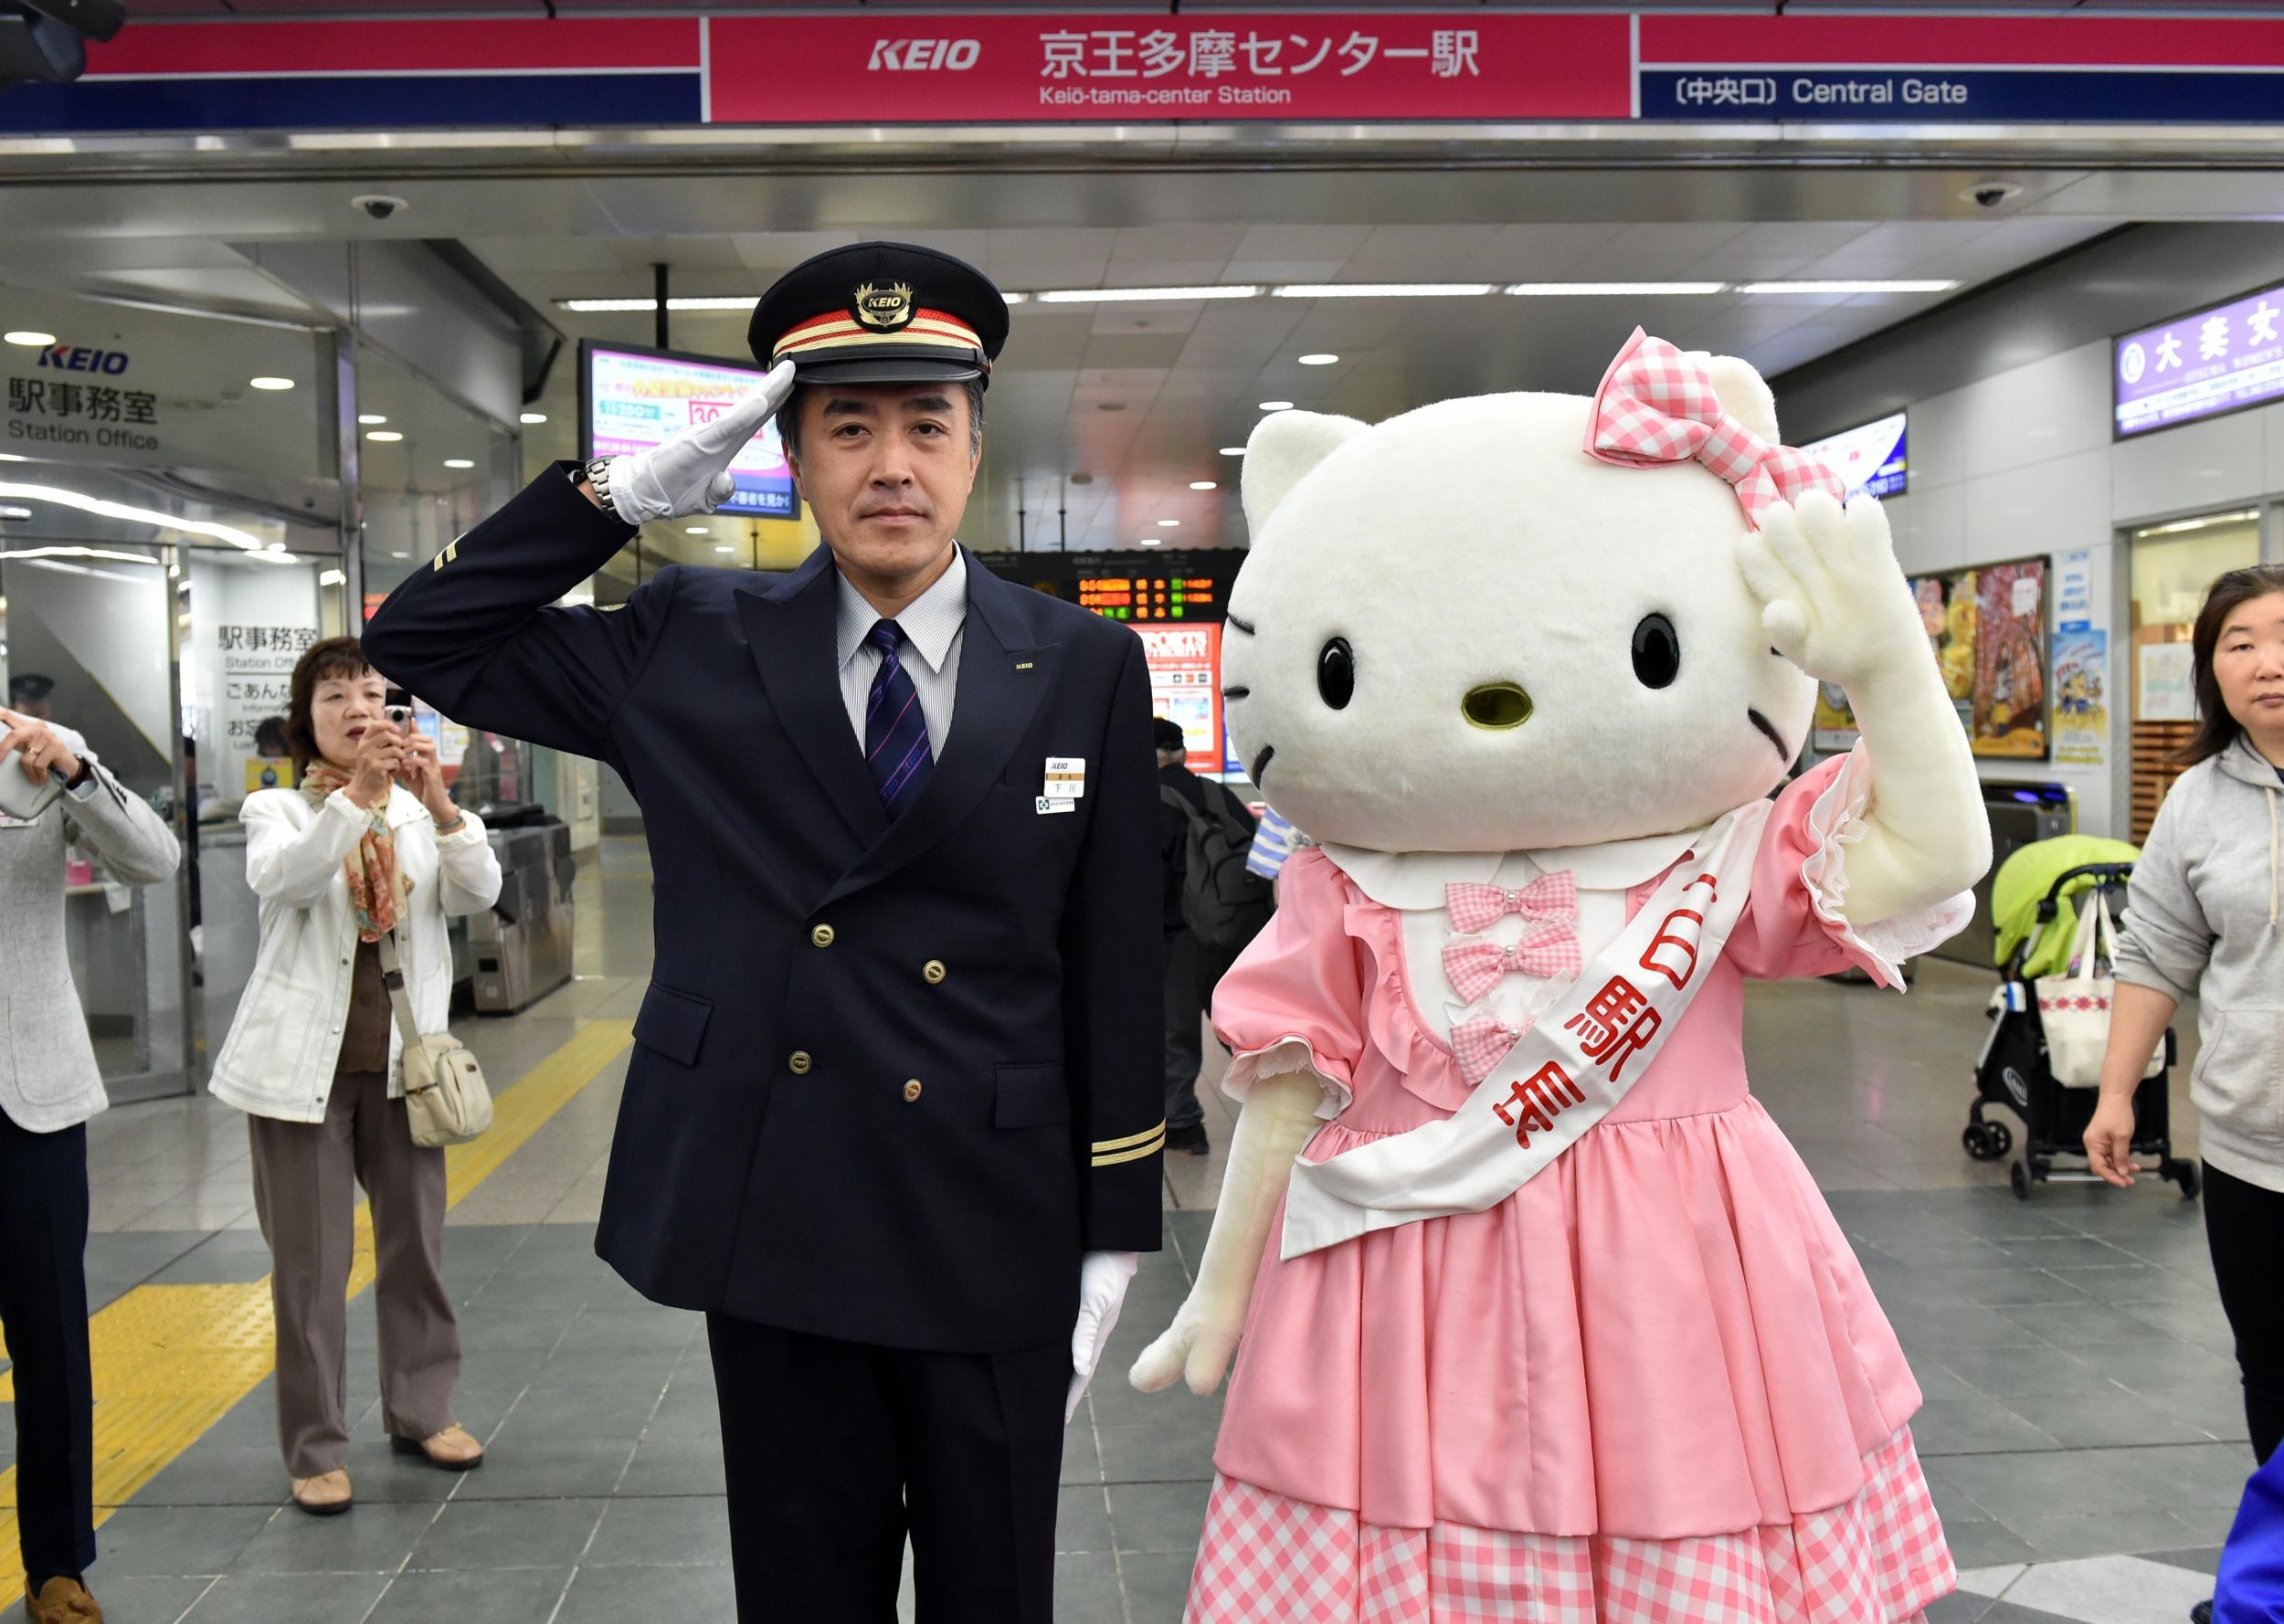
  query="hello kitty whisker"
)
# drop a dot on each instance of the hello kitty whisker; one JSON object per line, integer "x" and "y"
{"x": 1237, "y": 625}
{"x": 1765, "y": 725}
{"x": 1236, "y": 694}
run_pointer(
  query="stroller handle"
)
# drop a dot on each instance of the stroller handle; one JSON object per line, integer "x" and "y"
{"x": 2049, "y": 904}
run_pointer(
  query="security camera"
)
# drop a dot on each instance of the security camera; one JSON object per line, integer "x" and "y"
{"x": 378, "y": 205}
{"x": 1990, "y": 194}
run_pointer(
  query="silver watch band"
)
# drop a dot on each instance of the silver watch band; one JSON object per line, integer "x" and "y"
{"x": 598, "y": 475}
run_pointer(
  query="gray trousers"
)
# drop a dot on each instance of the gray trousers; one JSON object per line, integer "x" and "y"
{"x": 305, "y": 1189}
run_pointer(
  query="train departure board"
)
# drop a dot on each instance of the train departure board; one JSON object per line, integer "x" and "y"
{"x": 1151, "y": 597}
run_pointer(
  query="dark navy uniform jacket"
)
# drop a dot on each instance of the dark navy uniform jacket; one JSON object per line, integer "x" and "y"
{"x": 889, "y": 1081}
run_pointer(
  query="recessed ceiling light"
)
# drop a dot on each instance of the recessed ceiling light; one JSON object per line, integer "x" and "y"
{"x": 386, "y": 435}
{"x": 534, "y": 417}
{"x": 1277, "y": 406}
{"x": 1613, "y": 290}
{"x": 1204, "y": 485}
{"x": 1319, "y": 360}
{"x": 1151, "y": 540}
{"x": 401, "y": 555}
{"x": 1168, "y": 523}
{"x": 726, "y": 547}
{"x": 1233, "y": 450}
{"x": 271, "y": 383}
{"x": 332, "y": 578}
{"x": 1147, "y": 295}
{"x": 371, "y": 420}
{"x": 40, "y": 340}
{"x": 458, "y": 462}
{"x": 1908, "y": 285}
{"x": 697, "y": 530}
{"x": 1384, "y": 290}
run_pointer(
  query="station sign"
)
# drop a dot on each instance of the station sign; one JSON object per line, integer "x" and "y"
{"x": 2200, "y": 364}
{"x": 1047, "y": 66}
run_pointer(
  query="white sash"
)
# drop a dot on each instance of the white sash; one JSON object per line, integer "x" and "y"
{"x": 1563, "y": 1075}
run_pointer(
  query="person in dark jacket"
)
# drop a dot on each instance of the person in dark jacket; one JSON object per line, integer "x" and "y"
{"x": 1191, "y": 966}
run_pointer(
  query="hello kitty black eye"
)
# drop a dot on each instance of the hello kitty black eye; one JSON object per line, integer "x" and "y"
{"x": 1657, "y": 652}
{"x": 1336, "y": 673}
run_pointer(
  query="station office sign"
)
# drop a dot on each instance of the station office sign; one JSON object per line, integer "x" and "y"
{"x": 669, "y": 69}
{"x": 2199, "y": 364}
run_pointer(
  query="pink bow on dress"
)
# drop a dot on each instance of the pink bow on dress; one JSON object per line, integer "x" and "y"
{"x": 1552, "y": 899}
{"x": 1656, "y": 405}
{"x": 1479, "y": 1045}
{"x": 1474, "y": 968}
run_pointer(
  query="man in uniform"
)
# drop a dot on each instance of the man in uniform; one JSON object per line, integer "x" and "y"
{"x": 893, "y": 1120}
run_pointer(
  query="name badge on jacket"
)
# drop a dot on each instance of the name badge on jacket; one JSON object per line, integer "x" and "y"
{"x": 1067, "y": 778}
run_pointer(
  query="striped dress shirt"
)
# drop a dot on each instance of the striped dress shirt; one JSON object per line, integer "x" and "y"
{"x": 934, "y": 625}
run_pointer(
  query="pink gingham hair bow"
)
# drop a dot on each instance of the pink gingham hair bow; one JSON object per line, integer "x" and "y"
{"x": 1656, "y": 405}
{"x": 1474, "y": 968}
{"x": 1552, "y": 899}
{"x": 1479, "y": 1045}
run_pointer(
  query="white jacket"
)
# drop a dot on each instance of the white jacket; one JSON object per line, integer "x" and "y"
{"x": 279, "y": 1058}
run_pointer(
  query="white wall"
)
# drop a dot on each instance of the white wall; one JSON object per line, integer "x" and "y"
{"x": 2021, "y": 464}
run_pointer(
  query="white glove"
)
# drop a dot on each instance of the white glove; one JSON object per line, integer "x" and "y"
{"x": 1837, "y": 607}
{"x": 1279, "y": 1118}
{"x": 688, "y": 472}
{"x": 1103, "y": 1278}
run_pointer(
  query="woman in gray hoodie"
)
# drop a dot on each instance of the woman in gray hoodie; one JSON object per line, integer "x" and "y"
{"x": 2204, "y": 918}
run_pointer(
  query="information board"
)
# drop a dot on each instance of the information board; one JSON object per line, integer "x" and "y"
{"x": 1149, "y": 597}
{"x": 631, "y": 399}
{"x": 2200, "y": 364}
{"x": 1869, "y": 459}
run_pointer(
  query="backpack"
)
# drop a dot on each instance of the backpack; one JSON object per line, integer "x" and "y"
{"x": 1223, "y": 902}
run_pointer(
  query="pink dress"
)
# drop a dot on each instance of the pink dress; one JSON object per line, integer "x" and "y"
{"x": 1652, "y": 1386}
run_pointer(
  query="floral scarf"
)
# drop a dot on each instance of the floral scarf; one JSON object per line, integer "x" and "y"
{"x": 376, "y": 891}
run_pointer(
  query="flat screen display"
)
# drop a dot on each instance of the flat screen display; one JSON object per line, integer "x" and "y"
{"x": 1870, "y": 458}
{"x": 2200, "y": 364}
{"x": 630, "y": 399}
{"x": 1185, "y": 664}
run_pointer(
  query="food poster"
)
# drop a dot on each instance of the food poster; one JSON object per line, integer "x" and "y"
{"x": 1947, "y": 614}
{"x": 2009, "y": 715}
{"x": 1835, "y": 728}
{"x": 2081, "y": 695}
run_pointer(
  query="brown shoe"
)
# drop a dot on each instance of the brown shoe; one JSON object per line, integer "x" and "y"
{"x": 452, "y": 1449}
{"x": 63, "y": 1601}
{"x": 325, "y": 1495}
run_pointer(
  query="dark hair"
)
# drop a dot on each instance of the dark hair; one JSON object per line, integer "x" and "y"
{"x": 1170, "y": 734}
{"x": 789, "y": 416}
{"x": 270, "y": 738}
{"x": 336, "y": 656}
{"x": 2216, "y": 729}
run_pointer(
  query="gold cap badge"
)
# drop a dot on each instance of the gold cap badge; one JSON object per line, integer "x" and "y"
{"x": 888, "y": 307}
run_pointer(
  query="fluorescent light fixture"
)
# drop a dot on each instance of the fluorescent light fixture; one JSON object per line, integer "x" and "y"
{"x": 1614, "y": 290}
{"x": 1151, "y": 540}
{"x": 458, "y": 462}
{"x": 79, "y": 553}
{"x": 1147, "y": 295}
{"x": 116, "y": 509}
{"x": 371, "y": 420}
{"x": 389, "y": 436}
{"x": 2250, "y": 516}
{"x": 37, "y": 341}
{"x": 1016, "y": 298}
{"x": 1905, "y": 284}
{"x": 401, "y": 555}
{"x": 1168, "y": 523}
{"x": 726, "y": 547}
{"x": 332, "y": 578}
{"x": 741, "y": 302}
{"x": 1233, "y": 450}
{"x": 697, "y": 530}
{"x": 271, "y": 383}
{"x": 1318, "y": 360}
{"x": 534, "y": 417}
{"x": 1384, "y": 289}
{"x": 1277, "y": 406}
{"x": 15, "y": 513}
{"x": 1205, "y": 485}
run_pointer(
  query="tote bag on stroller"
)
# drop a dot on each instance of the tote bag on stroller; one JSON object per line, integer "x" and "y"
{"x": 2074, "y": 1006}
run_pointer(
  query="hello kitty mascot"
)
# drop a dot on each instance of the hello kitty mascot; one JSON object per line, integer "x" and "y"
{"x": 1547, "y": 1322}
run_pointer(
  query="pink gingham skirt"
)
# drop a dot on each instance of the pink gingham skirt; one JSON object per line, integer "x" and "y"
{"x": 1877, "y": 1559}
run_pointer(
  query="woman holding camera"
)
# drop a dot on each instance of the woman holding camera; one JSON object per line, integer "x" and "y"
{"x": 370, "y": 846}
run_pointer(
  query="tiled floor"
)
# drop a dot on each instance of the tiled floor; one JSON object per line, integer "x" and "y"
{"x": 2082, "y": 1433}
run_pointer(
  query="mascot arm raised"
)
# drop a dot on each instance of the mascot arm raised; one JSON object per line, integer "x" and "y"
{"x": 1836, "y": 604}
{"x": 1279, "y": 1115}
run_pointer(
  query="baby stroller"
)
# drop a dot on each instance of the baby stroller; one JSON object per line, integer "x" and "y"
{"x": 2034, "y": 933}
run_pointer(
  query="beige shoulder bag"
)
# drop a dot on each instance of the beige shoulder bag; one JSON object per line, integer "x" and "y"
{"x": 445, "y": 1093}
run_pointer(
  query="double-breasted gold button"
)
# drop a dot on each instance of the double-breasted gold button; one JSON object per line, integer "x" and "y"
{"x": 822, "y": 935}
{"x": 934, "y": 972}
{"x": 799, "y": 1063}
{"x": 912, "y": 1091}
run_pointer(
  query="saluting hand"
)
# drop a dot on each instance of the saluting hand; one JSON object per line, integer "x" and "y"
{"x": 689, "y": 473}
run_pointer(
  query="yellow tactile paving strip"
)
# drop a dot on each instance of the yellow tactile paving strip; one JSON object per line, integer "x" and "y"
{"x": 171, "y": 1360}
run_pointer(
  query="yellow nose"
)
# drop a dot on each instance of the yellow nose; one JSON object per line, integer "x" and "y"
{"x": 1497, "y": 706}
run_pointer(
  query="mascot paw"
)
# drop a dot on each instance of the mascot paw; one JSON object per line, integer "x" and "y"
{"x": 1188, "y": 1348}
{"x": 1834, "y": 601}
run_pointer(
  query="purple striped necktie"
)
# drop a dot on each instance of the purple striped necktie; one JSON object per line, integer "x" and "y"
{"x": 896, "y": 732}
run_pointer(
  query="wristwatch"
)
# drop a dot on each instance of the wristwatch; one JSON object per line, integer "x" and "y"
{"x": 598, "y": 475}
{"x": 84, "y": 776}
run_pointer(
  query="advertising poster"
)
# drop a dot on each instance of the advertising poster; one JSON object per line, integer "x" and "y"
{"x": 635, "y": 398}
{"x": 1835, "y": 728}
{"x": 2081, "y": 696}
{"x": 1870, "y": 460}
{"x": 2010, "y": 661}
{"x": 1186, "y": 685}
{"x": 1947, "y": 614}
{"x": 2168, "y": 687}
